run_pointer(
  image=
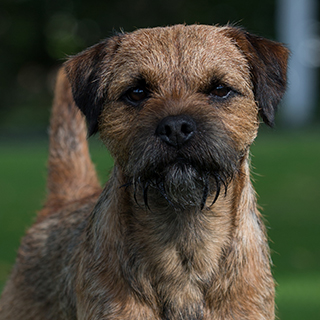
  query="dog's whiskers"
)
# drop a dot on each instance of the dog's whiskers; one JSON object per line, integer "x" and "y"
{"x": 218, "y": 187}
{"x": 205, "y": 192}
{"x": 145, "y": 194}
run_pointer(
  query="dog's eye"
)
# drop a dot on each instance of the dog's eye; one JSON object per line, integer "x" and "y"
{"x": 137, "y": 94}
{"x": 220, "y": 91}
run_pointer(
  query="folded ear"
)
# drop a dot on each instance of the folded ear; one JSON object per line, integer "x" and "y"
{"x": 268, "y": 63}
{"x": 85, "y": 71}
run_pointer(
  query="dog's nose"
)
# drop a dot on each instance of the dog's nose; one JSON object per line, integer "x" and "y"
{"x": 176, "y": 130}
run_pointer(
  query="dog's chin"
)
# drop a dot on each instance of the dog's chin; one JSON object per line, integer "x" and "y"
{"x": 184, "y": 185}
{"x": 180, "y": 185}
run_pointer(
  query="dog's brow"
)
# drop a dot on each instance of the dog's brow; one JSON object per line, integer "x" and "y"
{"x": 211, "y": 82}
{"x": 142, "y": 80}
{"x": 220, "y": 78}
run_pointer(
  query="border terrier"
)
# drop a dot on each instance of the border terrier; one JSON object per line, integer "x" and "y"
{"x": 175, "y": 233}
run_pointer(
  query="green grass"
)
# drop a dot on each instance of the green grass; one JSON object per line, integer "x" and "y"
{"x": 288, "y": 183}
{"x": 287, "y": 179}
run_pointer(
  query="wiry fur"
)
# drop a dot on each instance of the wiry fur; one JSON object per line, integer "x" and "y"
{"x": 175, "y": 234}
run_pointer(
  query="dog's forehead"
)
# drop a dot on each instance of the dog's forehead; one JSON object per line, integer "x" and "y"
{"x": 194, "y": 53}
{"x": 177, "y": 44}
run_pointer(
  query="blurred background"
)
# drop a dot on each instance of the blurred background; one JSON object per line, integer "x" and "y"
{"x": 36, "y": 36}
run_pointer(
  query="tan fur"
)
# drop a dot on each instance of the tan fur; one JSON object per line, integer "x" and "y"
{"x": 71, "y": 173}
{"x": 139, "y": 249}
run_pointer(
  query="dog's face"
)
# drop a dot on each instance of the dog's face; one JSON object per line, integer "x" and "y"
{"x": 178, "y": 107}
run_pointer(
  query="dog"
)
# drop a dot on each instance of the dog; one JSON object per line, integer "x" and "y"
{"x": 175, "y": 233}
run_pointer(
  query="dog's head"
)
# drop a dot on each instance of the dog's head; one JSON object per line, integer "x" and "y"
{"x": 178, "y": 107}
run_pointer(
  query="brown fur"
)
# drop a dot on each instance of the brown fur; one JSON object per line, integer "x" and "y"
{"x": 175, "y": 233}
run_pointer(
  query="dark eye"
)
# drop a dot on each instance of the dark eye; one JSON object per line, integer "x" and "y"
{"x": 137, "y": 94}
{"x": 220, "y": 91}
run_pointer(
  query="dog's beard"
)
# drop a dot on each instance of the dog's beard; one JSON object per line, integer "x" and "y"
{"x": 184, "y": 185}
{"x": 180, "y": 184}
{"x": 181, "y": 181}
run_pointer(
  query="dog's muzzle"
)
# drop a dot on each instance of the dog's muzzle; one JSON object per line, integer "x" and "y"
{"x": 182, "y": 160}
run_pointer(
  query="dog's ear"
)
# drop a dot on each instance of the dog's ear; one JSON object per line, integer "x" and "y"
{"x": 268, "y": 63}
{"x": 85, "y": 72}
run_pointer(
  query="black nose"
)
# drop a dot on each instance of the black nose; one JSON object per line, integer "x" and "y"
{"x": 176, "y": 130}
